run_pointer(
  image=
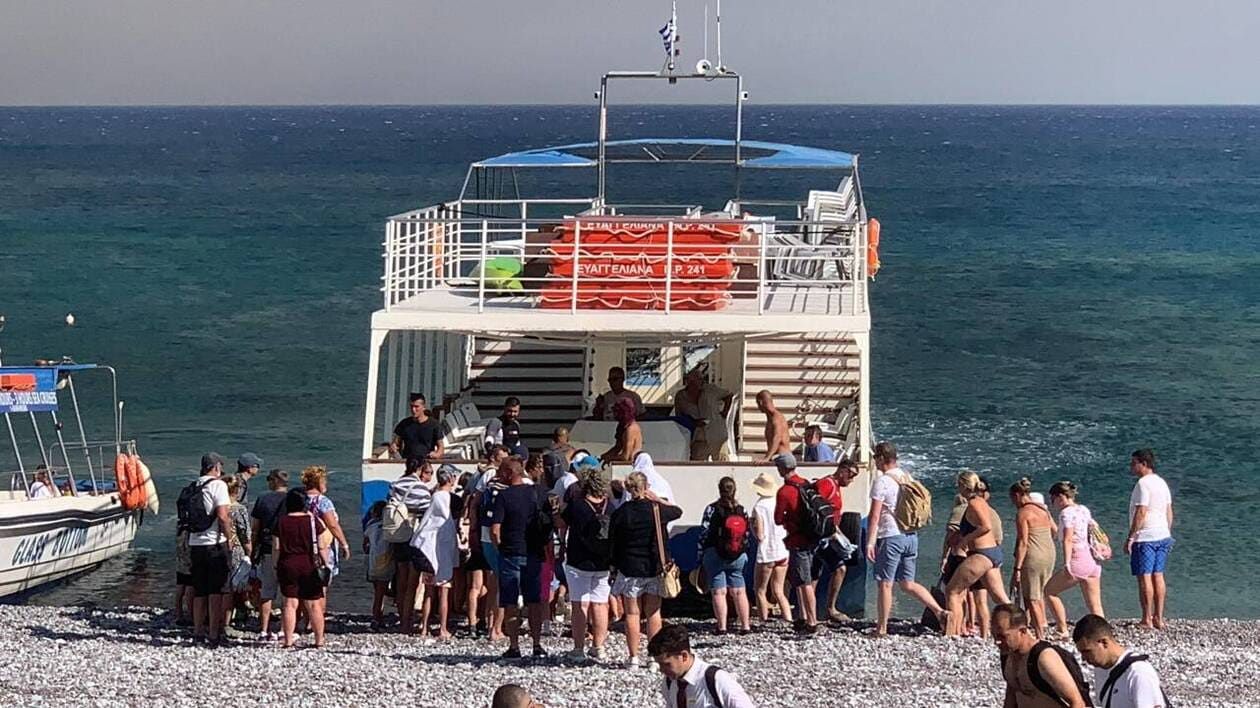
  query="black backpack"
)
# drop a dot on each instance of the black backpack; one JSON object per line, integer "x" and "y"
{"x": 1117, "y": 671}
{"x": 817, "y": 517}
{"x": 191, "y": 509}
{"x": 1034, "y": 672}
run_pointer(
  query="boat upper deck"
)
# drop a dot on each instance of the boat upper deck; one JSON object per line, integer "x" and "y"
{"x": 467, "y": 266}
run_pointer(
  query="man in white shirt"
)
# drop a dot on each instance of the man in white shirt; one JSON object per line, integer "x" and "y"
{"x": 210, "y": 553}
{"x": 690, "y": 682}
{"x": 1150, "y": 536}
{"x": 893, "y": 552}
{"x": 1122, "y": 679}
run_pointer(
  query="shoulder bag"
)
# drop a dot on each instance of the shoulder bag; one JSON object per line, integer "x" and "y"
{"x": 321, "y": 567}
{"x": 669, "y": 579}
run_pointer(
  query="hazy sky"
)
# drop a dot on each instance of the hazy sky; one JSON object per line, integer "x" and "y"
{"x": 553, "y": 51}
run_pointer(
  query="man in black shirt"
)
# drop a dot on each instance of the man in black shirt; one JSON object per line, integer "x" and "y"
{"x": 264, "y": 517}
{"x": 516, "y": 529}
{"x": 418, "y": 437}
{"x": 506, "y": 429}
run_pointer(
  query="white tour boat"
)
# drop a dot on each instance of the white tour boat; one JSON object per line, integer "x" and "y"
{"x": 496, "y": 294}
{"x": 96, "y": 494}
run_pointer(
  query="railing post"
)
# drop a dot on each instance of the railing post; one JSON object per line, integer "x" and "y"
{"x": 481, "y": 282}
{"x": 669, "y": 264}
{"x": 577, "y": 248}
{"x": 761, "y": 271}
{"x": 391, "y": 227}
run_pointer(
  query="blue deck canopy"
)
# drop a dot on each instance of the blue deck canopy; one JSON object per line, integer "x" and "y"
{"x": 753, "y": 153}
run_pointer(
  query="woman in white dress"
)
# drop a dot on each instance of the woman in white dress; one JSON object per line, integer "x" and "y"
{"x": 770, "y": 573}
{"x": 437, "y": 540}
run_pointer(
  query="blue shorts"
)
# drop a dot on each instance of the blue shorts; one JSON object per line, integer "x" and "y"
{"x": 491, "y": 554}
{"x": 1149, "y": 557}
{"x": 723, "y": 573}
{"x": 520, "y": 576}
{"x": 895, "y": 558}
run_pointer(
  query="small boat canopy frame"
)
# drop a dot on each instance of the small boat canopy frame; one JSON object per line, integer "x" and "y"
{"x": 63, "y": 373}
{"x": 735, "y": 152}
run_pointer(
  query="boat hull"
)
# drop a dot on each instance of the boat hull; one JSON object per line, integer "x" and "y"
{"x": 43, "y": 541}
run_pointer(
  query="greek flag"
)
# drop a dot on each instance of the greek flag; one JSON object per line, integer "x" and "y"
{"x": 668, "y": 35}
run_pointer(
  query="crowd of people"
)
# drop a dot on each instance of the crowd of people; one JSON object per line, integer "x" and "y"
{"x": 534, "y": 539}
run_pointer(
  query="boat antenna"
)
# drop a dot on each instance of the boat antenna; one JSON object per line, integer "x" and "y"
{"x": 706, "y": 31}
{"x": 720, "y": 66}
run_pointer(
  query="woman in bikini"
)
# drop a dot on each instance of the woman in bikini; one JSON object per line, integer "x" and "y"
{"x": 977, "y": 535}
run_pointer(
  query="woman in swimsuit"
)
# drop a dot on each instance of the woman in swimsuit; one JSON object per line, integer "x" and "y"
{"x": 977, "y": 534}
{"x": 1079, "y": 566}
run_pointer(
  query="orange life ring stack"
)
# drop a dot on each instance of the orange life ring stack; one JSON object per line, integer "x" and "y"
{"x": 132, "y": 487}
{"x": 622, "y": 264}
{"x": 872, "y": 248}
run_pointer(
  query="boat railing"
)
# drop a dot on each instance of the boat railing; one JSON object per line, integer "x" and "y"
{"x": 99, "y": 456}
{"x": 602, "y": 258}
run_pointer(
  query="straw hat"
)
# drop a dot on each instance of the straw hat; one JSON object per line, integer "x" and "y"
{"x": 765, "y": 485}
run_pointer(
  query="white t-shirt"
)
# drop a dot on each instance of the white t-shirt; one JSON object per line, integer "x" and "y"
{"x": 1137, "y": 688}
{"x": 887, "y": 489}
{"x": 1151, "y": 492}
{"x": 213, "y": 495}
{"x": 772, "y": 550}
{"x": 39, "y": 490}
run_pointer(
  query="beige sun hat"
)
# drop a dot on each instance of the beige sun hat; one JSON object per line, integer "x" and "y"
{"x": 765, "y": 485}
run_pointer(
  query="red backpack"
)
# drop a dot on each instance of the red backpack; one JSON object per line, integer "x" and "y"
{"x": 732, "y": 534}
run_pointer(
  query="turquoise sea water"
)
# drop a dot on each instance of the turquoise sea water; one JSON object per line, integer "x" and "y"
{"x": 1060, "y": 286}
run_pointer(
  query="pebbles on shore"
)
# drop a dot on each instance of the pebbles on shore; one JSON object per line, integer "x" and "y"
{"x": 130, "y": 656}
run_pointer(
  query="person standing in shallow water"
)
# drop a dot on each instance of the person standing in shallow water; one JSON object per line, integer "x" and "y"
{"x": 1150, "y": 536}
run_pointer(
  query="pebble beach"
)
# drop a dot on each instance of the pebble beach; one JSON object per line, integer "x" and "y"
{"x": 132, "y": 656}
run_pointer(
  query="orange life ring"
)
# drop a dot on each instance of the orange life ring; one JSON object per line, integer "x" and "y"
{"x": 872, "y": 248}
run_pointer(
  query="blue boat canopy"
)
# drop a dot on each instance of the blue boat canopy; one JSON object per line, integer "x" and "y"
{"x": 753, "y": 153}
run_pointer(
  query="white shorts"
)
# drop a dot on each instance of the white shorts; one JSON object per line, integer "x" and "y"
{"x": 267, "y": 576}
{"x": 587, "y": 585}
{"x": 635, "y": 587}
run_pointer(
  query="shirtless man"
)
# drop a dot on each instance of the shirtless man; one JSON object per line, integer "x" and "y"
{"x": 1015, "y": 641}
{"x": 777, "y": 442}
{"x": 629, "y": 434}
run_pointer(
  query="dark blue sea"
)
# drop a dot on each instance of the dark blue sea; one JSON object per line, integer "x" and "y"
{"x": 1061, "y": 285}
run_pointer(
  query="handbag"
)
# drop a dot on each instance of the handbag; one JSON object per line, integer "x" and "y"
{"x": 669, "y": 578}
{"x": 321, "y": 568}
{"x": 1099, "y": 542}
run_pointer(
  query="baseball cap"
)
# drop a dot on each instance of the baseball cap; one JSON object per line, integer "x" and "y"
{"x": 785, "y": 462}
{"x": 249, "y": 459}
{"x": 210, "y": 460}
